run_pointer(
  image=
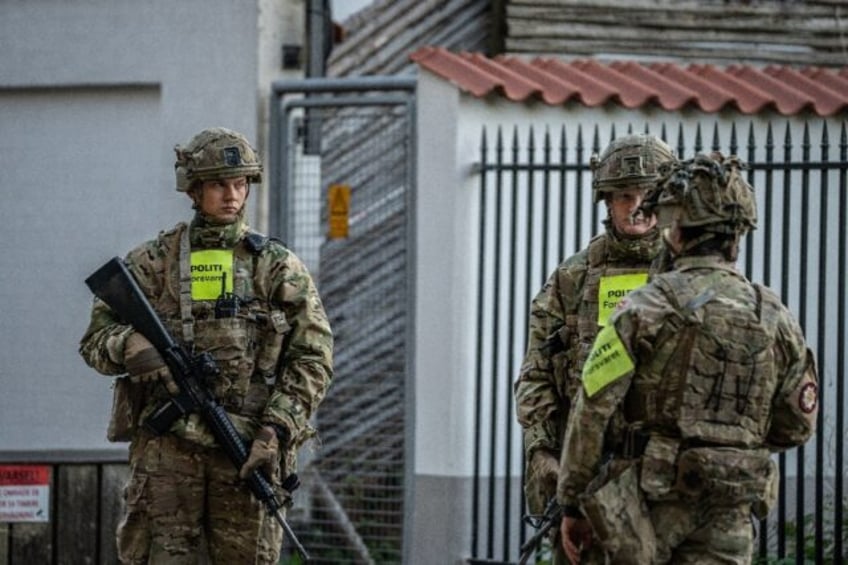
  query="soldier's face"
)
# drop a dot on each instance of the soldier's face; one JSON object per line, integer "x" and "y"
{"x": 221, "y": 200}
{"x": 622, "y": 205}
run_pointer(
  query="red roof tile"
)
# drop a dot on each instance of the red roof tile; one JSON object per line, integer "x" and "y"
{"x": 631, "y": 84}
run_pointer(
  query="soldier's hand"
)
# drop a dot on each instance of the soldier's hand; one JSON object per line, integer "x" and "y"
{"x": 576, "y": 534}
{"x": 264, "y": 453}
{"x": 541, "y": 479}
{"x": 145, "y": 365}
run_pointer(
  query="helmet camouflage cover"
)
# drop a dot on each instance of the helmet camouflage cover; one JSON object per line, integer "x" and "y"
{"x": 632, "y": 161}
{"x": 216, "y": 153}
{"x": 708, "y": 192}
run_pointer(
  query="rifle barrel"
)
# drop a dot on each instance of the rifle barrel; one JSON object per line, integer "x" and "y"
{"x": 290, "y": 536}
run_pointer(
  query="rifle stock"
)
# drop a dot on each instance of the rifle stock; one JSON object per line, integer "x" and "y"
{"x": 115, "y": 285}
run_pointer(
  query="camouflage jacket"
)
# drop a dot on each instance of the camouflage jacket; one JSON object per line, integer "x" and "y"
{"x": 564, "y": 318}
{"x": 275, "y": 355}
{"x": 699, "y": 357}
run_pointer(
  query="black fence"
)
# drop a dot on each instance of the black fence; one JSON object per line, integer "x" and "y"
{"x": 535, "y": 209}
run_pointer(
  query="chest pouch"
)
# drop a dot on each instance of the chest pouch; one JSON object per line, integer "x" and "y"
{"x": 728, "y": 476}
{"x": 231, "y": 342}
{"x": 659, "y": 467}
{"x": 271, "y": 346}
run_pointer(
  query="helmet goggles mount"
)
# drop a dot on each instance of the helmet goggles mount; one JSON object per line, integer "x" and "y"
{"x": 705, "y": 192}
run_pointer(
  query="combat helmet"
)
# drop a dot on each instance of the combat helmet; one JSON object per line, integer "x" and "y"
{"x": 706, "y": 192}
{"x": 632, "y": 161}
{"x": 216, "y": 153}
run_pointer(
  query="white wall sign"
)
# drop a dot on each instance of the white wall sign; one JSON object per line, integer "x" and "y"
{"x": 24, "y": 493}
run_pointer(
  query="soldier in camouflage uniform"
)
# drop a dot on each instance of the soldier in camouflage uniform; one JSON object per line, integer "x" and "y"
{"x": 270, "y": 336}
{"x": 577, "y": 298}
{"x": 709, "y": 373}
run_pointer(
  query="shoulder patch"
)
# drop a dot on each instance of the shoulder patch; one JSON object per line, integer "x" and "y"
{"x": 808, "y": 398}
{"x": 608, "y": 361}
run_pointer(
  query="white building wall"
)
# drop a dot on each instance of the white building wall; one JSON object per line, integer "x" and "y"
{"x": 93, "y": 97}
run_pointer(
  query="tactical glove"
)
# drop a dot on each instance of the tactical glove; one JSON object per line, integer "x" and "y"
{"x": 576, "y": 536}
{"x": 264, "y": 453}
{"x": 144, "y": 364}
{"x": 541, "y": 480}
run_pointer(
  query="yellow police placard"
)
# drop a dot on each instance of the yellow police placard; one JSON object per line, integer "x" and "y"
{"x": 211, "y": 273}
{"x": 612, "y": 289}
{"x": 608, "y": 362}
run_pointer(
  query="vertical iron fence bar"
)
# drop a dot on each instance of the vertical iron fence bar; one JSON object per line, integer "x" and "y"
{"x": 562, "y": 216}
{"x": 784, "y": 296}
{"x": 749, "y": 240}
{"x": 734, "y": 143}
{"x": 546, "y": 205}
{"x": 496, "y": 293}
{"x": 802, "y": 316}
{"x": 838, "y": 550}
{"x": 769, "y": 198}
{"x": 513, "y": 275}
{"x": 699, "y": 145}
{"x": 530, "y": 213}
{"x": 593, "y": 216}
{"x": 820, "y": 333}
{"x": 478, "y": 377}
{"x": 716, "y": 144}
{"x": 681, "y": 144}
{"x": 522, "y": 506}
{"x": 767, "y": 227}
{"x": 578, "y": 189}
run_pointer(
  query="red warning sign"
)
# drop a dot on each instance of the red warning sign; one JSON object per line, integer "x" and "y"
{"x": 24, "y": 493}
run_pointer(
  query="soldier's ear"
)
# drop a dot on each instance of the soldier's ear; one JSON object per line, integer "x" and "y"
{"x": 194, "y": 193}
{"x": 673, "y": 239}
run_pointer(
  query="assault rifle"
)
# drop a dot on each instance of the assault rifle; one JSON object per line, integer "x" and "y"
{"x": 551, "y": 518}
{"x": 115, "y": 285}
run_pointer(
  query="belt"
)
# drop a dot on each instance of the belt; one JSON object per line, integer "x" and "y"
{"x": 634, "y": 441}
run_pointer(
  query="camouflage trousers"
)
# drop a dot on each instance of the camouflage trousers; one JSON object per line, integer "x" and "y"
{"x": 689, "y": 532}
{"x": 186, "y": 505}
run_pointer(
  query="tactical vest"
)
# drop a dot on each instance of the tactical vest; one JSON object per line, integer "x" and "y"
{"x": 246, "y": 341}
{"x": 712, "y": 373}
{"x": 582, "y": 326}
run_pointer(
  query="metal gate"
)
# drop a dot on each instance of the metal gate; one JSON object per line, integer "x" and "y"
{"x": 535, "y": 210}
{"x": 353, "y": 135}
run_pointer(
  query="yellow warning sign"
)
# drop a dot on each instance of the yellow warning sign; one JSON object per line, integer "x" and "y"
{"x": 338, "y": 207}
